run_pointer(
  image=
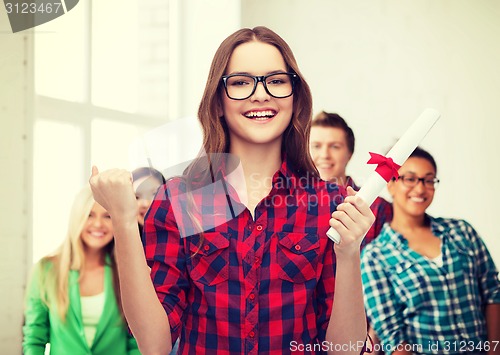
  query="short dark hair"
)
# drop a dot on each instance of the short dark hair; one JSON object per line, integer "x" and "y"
{"x": 422, "y": 153}
{"x": 334, "y": 120}
{"x": 147, "y": 171}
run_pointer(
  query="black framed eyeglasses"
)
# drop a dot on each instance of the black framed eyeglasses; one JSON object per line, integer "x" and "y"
{"x": 430, "y": 183}
{"x": 242, "y": 86}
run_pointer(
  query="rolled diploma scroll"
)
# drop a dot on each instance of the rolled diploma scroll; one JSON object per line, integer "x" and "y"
{"x": 399, "y": 153}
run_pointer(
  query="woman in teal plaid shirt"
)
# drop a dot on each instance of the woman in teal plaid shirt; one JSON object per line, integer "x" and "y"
{"x": 430, "y": 284}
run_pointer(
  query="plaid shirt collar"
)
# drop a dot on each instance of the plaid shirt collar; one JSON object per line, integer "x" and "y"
{"x": 398, "y": 240}
{"x": 284, "y": 178}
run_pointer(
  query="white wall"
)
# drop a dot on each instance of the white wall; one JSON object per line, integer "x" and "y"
{"x": 16, "y": 107}
{"x": 380, "y": 63}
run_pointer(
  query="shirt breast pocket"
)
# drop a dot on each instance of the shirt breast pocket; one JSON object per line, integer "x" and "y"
{"x": 209, "y": 261}
{"x": 466, "y": 261}
{"x": 297, "y": 256}
{"x": 412, "y": 284}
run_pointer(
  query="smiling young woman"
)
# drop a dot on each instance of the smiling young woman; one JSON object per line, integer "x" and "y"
{"x": 427, "y": 280}
{"x": 73, "y": 298}
{"x": 255, "y": 275}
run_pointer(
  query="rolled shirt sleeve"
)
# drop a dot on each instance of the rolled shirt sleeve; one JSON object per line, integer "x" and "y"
{"x": 165, "y": 254}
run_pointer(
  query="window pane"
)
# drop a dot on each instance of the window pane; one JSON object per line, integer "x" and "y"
{"x": 115, "y": 54}
{"x": 58, "y": 176}
{"x": 169, "y": 146}
{"x": 111, "y": 142}
{"x": 61, "y": 56}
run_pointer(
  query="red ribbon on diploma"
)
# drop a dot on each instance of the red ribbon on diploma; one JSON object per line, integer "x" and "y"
{"x": 386, "y": 167}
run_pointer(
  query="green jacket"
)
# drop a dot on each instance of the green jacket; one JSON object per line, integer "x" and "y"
{"x": 43, "y": 324}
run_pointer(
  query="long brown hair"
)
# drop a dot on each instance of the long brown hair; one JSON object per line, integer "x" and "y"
{"x": 295, "y": 143}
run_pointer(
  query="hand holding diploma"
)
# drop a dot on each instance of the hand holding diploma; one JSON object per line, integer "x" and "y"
{"x": 388, "y": 166}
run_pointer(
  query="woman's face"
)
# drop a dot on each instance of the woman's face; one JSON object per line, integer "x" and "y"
{"x": 413, "y": 201}
{"x": 98, "y": 230}
{"x": 260, "y": 119}
{"x": 145, "y": 189}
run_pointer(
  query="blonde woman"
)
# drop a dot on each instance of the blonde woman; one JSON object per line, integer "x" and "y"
{"x": 73, "y": 298}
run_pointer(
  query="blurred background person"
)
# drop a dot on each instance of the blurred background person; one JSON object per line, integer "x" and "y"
{"x": 331, "y": 146}
{"x": 73, "y": 297}
{"x": 430, "y": 283}
{"x": 146, "y": 182}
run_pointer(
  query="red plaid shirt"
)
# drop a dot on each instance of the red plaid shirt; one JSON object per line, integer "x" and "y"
{"x": 382, "y": 211}
{"x": 253, "y": 285}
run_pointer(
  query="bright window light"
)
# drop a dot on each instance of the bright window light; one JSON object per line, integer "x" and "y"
{"x": 110, "y": 143}
{"x": 58, "y": 156}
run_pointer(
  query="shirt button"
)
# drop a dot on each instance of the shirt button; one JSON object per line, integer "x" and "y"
{"x": 251, "y": 334}
{"x": 252, "y": 296}
{"x": 206, "y": 247}
{"x": 259, "y": 227}
{"x": 297, "y": 247}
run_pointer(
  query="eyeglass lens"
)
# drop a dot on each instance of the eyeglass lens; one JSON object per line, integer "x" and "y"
{"x": 412, "y": 181}
{"x": 243, "y": 86}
